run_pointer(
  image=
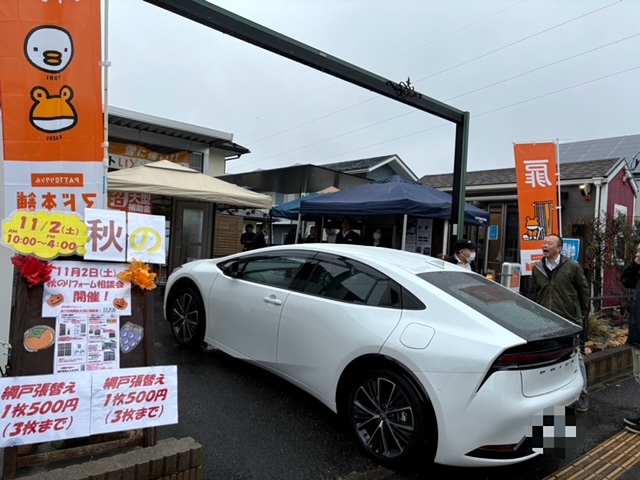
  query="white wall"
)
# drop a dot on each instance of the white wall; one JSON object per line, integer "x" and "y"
{"x": 6, "y": 279}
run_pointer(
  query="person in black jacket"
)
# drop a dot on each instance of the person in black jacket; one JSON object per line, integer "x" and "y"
{"x": 247, "y": 237}
{"x": 346, "y": 235}
{"x": 464, "y": 255}
{"x": 260, "y": 240}
{"x": 631, "y": 279}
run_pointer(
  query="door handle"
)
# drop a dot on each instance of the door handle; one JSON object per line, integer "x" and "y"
{"x": 272, "y": 300}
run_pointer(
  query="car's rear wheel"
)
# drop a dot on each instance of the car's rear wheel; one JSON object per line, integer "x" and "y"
{"x": 187, "y": 317}
{"x": 387, "y": 416}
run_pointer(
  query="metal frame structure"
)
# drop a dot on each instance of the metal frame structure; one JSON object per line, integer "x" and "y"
{"x": 214, "y": 17}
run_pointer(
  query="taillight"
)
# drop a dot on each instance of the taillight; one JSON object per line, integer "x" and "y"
{"x": 534, "y": 355}
{"x": 511, "y": 361}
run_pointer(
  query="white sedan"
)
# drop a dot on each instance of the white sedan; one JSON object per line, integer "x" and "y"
{"x": 423, "y": 358}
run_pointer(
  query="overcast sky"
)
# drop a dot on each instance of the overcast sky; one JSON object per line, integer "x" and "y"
{"x": 526, "y": 70}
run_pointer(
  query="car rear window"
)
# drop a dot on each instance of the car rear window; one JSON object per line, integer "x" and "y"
{"x": 507, "y": 308}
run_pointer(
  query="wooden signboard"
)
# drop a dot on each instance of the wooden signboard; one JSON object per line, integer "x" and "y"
{"x": 28, "y": 314}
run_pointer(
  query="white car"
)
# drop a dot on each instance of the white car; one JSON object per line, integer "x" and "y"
{"x": 422, "y": 357}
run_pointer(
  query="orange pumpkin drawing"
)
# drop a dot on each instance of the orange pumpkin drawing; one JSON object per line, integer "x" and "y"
{"x": 120, "y": 303}
{"x": 55, "y": 300}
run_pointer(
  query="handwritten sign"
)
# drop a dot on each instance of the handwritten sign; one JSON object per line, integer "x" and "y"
{"x": 134, "y": 398}
{"x": 83, "y": 284}
{"x": 43, "y": 408}
{"x": 146, "y": 238}
{"x": 45, "y": 235}
{"x": 107, "y": 235}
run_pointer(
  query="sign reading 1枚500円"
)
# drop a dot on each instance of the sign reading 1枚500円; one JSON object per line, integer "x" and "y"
{"x": 45, "y": 235}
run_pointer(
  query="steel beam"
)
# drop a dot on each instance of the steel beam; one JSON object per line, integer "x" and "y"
{"x": 212, "y": 16}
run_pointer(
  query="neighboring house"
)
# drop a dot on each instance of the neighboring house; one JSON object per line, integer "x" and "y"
{"x": 376, "y": 168}
{"x": 589, "y": 187}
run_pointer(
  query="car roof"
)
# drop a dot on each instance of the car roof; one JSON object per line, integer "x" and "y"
{"x": 410, "y": 262}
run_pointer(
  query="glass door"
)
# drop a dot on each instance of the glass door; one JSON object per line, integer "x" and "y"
{"x": 192, "y": 232}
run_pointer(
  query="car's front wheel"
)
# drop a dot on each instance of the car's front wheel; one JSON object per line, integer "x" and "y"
{"x": 387, "y": 416}
{"x": 187, "y": 317}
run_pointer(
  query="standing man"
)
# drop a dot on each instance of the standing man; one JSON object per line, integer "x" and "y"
{"x": 560, "y": 285}
{"x": 464, "y": 255}
{"x": 247, "y": 237}
{"x": 311, "y": 238}
{"x": 346, "y": 235}
{"x": 260, "y": 240}
{"x": 631, "y": 279}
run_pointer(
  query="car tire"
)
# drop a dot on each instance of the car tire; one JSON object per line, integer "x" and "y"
{"x": 187, "y": 317}
{"x": 388, "y": 417}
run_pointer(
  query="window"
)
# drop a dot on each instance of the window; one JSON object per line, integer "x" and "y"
{"x": 274, "y": 271}
{"x": 340, "y": 281}
{"x": 505, "y": 307}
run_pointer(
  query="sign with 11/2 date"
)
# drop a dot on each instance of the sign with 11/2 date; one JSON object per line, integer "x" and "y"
{"x": 45, "y": 235}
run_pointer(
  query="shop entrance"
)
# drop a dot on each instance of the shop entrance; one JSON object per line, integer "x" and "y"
{"x": 193, "y": 232}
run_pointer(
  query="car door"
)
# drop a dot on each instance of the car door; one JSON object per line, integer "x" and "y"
{"x": 245, "y": 307}
{"x": 344, "y": 309}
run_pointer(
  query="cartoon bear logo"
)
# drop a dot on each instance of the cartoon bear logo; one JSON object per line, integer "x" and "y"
{"x": 534, "y": 230}
{"x": 49, "y": 48}
{"x": 53, "y": 113}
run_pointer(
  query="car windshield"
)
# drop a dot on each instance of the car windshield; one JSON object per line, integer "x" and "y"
{"x": 507, "y": 308}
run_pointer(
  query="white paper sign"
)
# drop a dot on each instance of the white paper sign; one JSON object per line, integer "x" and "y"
{"x": 44, "y": 408}
{"x": 146, "y": 238}
{"x": 83, "y": 284}
{"x": 87, "y": 339}
{"x": 133, "y": 398}
{"x": 107, "y": 235}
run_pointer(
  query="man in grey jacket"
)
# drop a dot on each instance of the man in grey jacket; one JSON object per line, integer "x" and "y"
{"x": 560, "y": 285}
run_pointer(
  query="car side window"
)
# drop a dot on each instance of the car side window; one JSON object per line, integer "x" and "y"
{"x": 340, "y": 281}
{"x": 273, "y": 271}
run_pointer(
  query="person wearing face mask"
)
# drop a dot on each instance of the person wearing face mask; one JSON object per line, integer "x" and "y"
{"x": 464, "y": 254}
{"x": 377, "y": 238}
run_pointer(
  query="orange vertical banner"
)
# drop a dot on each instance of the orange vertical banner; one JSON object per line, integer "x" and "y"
{"x": 51, "y": 99}
{"x": 536, "y": 171}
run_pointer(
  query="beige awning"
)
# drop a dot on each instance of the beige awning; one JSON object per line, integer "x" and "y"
{"x": 171, "y": 179}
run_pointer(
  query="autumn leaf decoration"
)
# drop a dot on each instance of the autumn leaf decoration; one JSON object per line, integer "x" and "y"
{"x": 139, "y": 273}
{"x": 32, "y": 269}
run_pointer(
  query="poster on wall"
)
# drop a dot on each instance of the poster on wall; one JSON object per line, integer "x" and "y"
{"x": 80, "y": 284}
{"x": 87, "y": 338}
{"x": 51, "y": 96}
{"x": 424, "y": 235}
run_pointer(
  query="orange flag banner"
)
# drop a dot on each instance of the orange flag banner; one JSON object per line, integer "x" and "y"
{"x": 536, "y": 171}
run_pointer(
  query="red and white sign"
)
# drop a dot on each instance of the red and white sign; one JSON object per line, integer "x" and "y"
{"x": 83, "y": 284}
{"x": 134, "y": 398}
{"x": 44, "y": 408}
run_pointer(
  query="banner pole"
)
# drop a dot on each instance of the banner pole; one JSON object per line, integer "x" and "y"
{"x": 559, "y": 190}
{"x": 106, "y": 63}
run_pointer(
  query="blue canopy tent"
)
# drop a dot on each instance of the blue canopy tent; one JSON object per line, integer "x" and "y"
{"x": 393, "y": 196}
{"x": 290, "y": 210}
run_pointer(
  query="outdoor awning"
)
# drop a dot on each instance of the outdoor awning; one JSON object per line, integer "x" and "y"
{"x": 170, "y": 179}
{"x": 393, "y": 196}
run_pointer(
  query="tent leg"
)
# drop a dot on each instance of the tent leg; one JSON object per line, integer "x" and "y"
{"x": 298, "y": 227}
{"x": 445, "y": 239}
{"x": 404, "y": 232}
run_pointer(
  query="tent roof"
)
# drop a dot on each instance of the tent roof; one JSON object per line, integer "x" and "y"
{"x": 393, "y": 196}
{"x": 168, "y": 178}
